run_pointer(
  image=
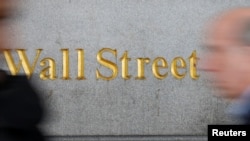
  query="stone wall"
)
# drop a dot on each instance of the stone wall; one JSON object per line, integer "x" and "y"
{"x": 127, "y": 106}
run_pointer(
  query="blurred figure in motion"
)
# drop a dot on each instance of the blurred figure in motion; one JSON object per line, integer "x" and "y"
{"x": 20, "y": 107}
{"x": 227, "y": 59}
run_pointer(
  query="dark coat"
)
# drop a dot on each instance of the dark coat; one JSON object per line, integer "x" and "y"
{"x": 246, "y": 116}
{"x": 21, "y": 109}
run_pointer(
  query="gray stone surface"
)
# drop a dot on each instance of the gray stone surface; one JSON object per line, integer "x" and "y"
{"x": 145, "y": 28}
{"x": 129, "y": 138}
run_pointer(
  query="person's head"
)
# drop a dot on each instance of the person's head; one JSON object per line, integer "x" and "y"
{"x": 228, "y": 56}
{"x": 7, "y": 11}
{"x": 7, "y": 7}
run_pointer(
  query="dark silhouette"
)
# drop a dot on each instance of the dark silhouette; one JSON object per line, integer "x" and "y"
{"x": 21, "y": 109}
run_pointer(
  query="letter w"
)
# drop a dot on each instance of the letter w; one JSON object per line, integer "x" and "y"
{"x": 23, "y": 61}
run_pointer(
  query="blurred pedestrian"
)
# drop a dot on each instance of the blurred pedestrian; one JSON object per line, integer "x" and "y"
{"x": 227, "y": 59}
{"x": 21, "y": 108}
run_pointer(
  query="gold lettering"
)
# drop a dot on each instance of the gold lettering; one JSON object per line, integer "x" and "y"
{"x": 140, "y": 66}
{"x": 193, "y": 66}
{"x": 156, "y": 67}
{"x": 124, "y": 59}
{"x": 175, "y": 65}
{"x": 80, "y": 64}
{"x": 23, "y": 61}
{"x": 65, "y": 53}
{"x": 107, "y": 64}
{"x": 178, "y": 67}
{"x": 48, "y": 72}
